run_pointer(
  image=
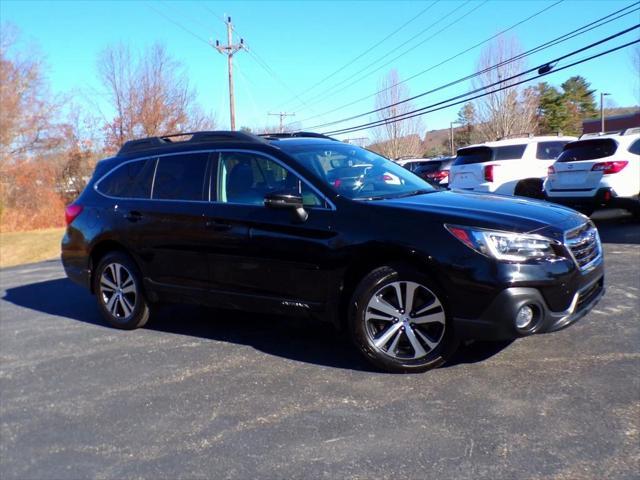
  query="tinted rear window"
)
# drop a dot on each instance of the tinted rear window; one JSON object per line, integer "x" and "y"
{"x": 130, "y": 180}
{"x": 468, "y": 156}
{"x": 181, "y": 177}
{"x": 549, "y": 150}
{"x": 429, "y": 167}
{"x": 588, "y": 150}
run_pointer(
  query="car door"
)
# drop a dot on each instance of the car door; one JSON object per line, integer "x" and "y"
{"x": 171, "y": 235}
{"x": 266, "y": 252}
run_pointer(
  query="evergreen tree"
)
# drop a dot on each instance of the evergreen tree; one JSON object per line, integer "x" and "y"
{"x": 579, "y": 101}
{"x": 552, "y": 112}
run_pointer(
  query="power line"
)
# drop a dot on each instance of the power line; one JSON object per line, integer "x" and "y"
{"x": 430, "y": 109}
{"x": 586, "y": 28}
{"x": 359, "y": 56}
{"x": 453, "y": 57}
{"x": 323, "y": 95}
{"x": 177, "y": 24}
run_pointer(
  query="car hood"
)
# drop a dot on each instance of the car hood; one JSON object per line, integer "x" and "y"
{"x": 492, "y": 211}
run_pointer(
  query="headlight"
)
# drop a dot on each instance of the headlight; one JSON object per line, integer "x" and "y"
{"x": 506, "y": 246}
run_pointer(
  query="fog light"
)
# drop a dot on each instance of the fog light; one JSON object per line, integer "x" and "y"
{"x": 524, "y": 317}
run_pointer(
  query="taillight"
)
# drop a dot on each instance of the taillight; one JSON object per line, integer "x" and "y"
{"x": 71, "y": 212}
{"x": 551, "y": 170}
{"x": 608, "y": 168}
{"x": 488, "y": 172}
{"x": 438, "y": 176}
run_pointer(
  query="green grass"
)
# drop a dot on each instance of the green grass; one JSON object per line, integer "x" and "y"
{"x": 17, "y": 248}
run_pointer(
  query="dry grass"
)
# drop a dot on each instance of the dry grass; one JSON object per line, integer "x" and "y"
{"x": 17, "y": 248}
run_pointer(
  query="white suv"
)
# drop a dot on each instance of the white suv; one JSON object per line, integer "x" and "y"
{"x": 598, "y": 172}
{"x": 515, "y": 166}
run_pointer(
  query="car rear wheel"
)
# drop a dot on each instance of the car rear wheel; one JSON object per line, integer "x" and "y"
{"x": 118, "y": 287}
{"x": 531, "y": 188}
{"x": 398, "y": 321}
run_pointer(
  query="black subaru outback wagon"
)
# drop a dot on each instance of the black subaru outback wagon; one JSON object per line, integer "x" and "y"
{"x": 305, "y": 225}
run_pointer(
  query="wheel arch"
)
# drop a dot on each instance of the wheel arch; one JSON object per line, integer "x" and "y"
{"x": 102, "y": 248}
{"x": 369, "y": 258}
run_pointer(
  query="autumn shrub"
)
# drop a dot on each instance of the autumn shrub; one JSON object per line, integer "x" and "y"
{"x": 29, "y": 197}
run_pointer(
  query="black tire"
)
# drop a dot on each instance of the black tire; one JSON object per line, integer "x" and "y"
{"x": 529, "y": 188}
{"x": 130, "y": 310}
{"x": 361, "y": 329}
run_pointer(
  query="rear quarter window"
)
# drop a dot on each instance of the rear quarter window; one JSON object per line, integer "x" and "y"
{"x": 583, "y": 150}
{"x": 509, "y": 152}
{"x": 129, "y": 180}
{"x": 635, "y": 147}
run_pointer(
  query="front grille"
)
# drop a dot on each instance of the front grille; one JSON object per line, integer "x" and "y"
{"x": 586, "y": 296}
{"x": 584, "y": 244}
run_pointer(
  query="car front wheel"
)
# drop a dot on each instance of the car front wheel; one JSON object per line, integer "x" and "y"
{"x": 119, "y": 293}
{"x": 399, "y": 322}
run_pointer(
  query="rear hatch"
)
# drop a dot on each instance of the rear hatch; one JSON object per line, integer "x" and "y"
{"x": 579, "y": 166}
{"x": 469, "y": 168}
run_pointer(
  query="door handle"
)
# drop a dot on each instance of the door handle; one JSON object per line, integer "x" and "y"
{"x": 217, "y": 225}
{"x": 133, "y": 216}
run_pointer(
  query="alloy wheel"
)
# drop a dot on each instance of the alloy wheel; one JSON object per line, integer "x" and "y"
{"x": 405, "y": 320}
{"x": 118, "y": 291}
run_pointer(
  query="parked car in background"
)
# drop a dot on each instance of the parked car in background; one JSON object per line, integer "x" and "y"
{"x": 251, "y": 223}
{"x": 598, "y": 171}
{"x": 436, "y": 170}
{"x": 516, "y": 166}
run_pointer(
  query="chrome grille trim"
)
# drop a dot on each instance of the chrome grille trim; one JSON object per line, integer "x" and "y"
{"x": 583, "y": 243}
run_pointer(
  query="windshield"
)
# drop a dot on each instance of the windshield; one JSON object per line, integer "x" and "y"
{"x": 357, "y": 173}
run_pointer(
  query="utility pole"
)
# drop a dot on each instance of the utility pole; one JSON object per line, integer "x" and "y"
{"x": 282, "y": 115}
{"x": 451, "y": 124}
{"x": 602, "y": 95}
{"x": 229, "y": 50}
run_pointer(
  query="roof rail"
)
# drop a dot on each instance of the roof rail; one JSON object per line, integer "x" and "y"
{"x": 296, "y": 134}
{"x": 613, "y": 132}
{"x": 516, "y": 135}
{"x": 195, "y": 137}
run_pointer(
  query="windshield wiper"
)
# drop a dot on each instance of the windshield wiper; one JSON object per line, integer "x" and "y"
{"x": 397, "y": 195}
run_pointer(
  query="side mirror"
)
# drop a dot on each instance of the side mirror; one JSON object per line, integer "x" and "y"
{"x": 288, "y": 202}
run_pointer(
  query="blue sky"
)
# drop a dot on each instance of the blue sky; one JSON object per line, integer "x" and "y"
{"x": 304, "y": 42}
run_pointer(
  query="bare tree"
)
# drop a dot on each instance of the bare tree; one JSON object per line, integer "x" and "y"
{"x": 26, "y": 107}
{"x": 402, "y": 137}
{"x": 509, "y": 111}
{"x": 150, "y": 95}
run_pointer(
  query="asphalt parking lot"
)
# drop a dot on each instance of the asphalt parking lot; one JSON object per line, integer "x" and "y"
{"x": 208, "y": 394}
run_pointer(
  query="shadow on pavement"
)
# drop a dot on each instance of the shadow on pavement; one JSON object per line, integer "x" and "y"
{"x": 296, "y": 339}
{"x": 618, "y": 228}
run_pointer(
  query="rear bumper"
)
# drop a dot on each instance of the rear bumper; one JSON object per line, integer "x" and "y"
{"x": 604, "y": 198}
{"x": 498, "y": 320}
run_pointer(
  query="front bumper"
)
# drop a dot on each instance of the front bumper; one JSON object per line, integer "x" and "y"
{"x": 498, "y": 320}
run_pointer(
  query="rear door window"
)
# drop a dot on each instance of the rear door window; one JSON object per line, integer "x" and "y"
{"x": 549, "y": 150}
{"x": 129, "y": 180}
{"x": 181, "y": 177}
{"x": 635, "y": 147}
{"x": 588, "y": 150}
